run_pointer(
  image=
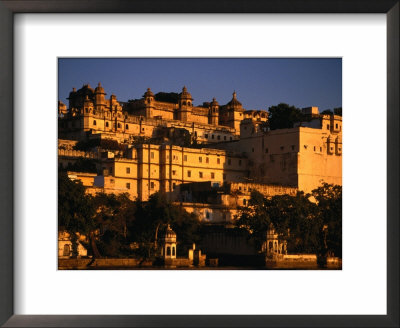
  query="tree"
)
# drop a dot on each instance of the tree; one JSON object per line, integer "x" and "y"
{"x": 338, "y": 111}
{"x": 112, "y": 217}
{"x": 309, "y": 226}
{"x": 283, "y": 116}
{"x": 151, "y": 219}
{"x": 75, "y": 210}
{"x": 327, "y": 112}
{"x": 329, "y": 211}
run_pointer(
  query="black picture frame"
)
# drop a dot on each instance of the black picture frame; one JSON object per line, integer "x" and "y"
{"x": 10, "y": 7}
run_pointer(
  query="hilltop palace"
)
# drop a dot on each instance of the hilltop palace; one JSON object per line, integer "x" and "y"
{"x": 208, "y": 158}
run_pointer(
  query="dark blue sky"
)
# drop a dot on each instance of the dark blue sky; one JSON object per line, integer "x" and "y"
{"x": 259, "y": 82}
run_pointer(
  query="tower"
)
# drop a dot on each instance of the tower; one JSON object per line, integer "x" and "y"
{"x": 272, "y": 241}
{"x": 213, "y": 114}
{"x": 169, "y": 244}
{"x": 185, "y": 105}
{"x": 148, "y": 103}
{"x": 234, "y": 110}
{"x": 99, "y": 98}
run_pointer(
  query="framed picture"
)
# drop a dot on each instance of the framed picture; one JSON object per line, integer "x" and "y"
{"x": 35, "y": 292}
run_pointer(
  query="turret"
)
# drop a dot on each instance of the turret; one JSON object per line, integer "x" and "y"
{"x": 71, "y": 98}
{"x": 234, "y": 111}
{"x": 149, "y": 102}
{"x": 87, "y": 105}
{"x": 213, "y": 114}
{"x": 99, "y": 97}
{"x": 185, "y": 105}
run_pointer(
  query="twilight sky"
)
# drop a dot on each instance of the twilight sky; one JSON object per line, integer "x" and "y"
{"x": 259, "y": 82}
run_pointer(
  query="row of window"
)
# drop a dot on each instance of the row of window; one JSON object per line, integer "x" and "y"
{"x": 218, "y": 137}
{"x": 201, "y": 175}
{"x": 128, "y": 185}
{"x": 118, "y": 125}
{"x": 336, "y": 126}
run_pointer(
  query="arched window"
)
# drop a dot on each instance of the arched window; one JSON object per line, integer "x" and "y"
{"x": 168, "y": 251}
{"x": 188, "y": 103}
{"x": 184, "y": 103}
{"x": 107, "y": 124}
{"x": 94, "y": 122}
{"x": 270, "y": 245}
{"x": 126, "y": 127}
{"x": 119, "y": 125}
{"x": 173, "y": 251}
{"x": 66, "y": 250}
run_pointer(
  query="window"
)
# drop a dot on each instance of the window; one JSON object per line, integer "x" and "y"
{"x": 282, "y": 147}
{"x": 189, "y": 174}
{"x": 266, "y": 150}
{"x": 142, "y": 129}
{"x": 106, "y": 124}
{"x": 173, "y": 248}
{"x": 152, "y": 155}
{"x": 128, "y": 185}
{"x": 336, "y": 126}
{"x": 314, "y": 148}
{"x": 200, "y": 159}
{"x": 207, "y": 161}
{"x": 212, "y": 175}
{"x": 206, "y": 136}
{"x": 230, "y": 138}
{"x": 207, "y": 215}
{"x": 128, "y": 170}
{"x": 219, "y": 137}
{"x": 94, "y": 122}
{"x": 151, "y": 185}
{"x": 229, "y": 161}
{"x": 212, "y": 137}
{"x": 173, "y": 172}
{"x": 119, "y": 125}
{"x": 174, "y": 185}
{"x": 224, "y": 176}
{"x": 244, "y": 201}
{"x": 218, "y": 161}
{"x": 252, "y": 150}
{"x": 168, "y": 251}
{"x": 185, "y": 158}
{"x": 224, "y": 137}
{"x": 240, "y": 162}
{"x": 320, "y": 149}
{"x": 66, "y": 250}
{"x": 126, "y": 127}
{"x": 200, "y": 175}
{"x": 327, "y": 126}
{"x": 292, "y": 147}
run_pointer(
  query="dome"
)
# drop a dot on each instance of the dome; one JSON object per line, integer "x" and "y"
{"x": 170, "y": 235}
{"x": 72, "y": 93}
{"x": 214, "y": 102}
{"x": 99, "y": 89}
{"x": 87, "y": 87}
{"x": 234, "y": 102}
{"x": 148, "y": 93}
{"x": 185, "y": 94}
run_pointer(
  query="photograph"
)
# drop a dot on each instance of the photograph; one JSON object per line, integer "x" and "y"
{"x": 199, "y": 163}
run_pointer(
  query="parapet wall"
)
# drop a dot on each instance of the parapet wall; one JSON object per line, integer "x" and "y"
{"x": 265, "y": 189}
{"x": 77, "y": 153}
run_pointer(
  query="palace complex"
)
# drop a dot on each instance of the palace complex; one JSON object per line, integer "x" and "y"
{"x": 208, "y": 157}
